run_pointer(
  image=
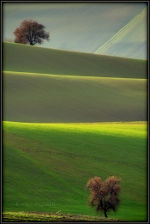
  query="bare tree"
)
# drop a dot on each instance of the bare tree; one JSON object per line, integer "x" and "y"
{"x": 104, "y": 194}
{"x": 30, "y": 32}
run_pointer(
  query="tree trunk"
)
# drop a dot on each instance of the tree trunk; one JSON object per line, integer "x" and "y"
{"x": 105, "y": 213}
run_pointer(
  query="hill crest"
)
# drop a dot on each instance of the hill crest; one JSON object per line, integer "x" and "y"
{"x": 24, "y": 58}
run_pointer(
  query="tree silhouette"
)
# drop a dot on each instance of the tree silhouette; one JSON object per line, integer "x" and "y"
{"x": 30, "y": 32}
{"x": 104, "y": 194}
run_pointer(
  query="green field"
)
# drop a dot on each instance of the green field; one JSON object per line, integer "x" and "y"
{"x": 62, "y": 157}
{"x": 56, "y": 98}
{"x": 70, "y": 116}
{"x": 24, "y": 58}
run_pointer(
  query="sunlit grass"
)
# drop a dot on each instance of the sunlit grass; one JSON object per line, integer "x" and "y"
{"x": 48, "y": 165}
{"x": 138, "y": 128}
{"x": 58, "y": 76}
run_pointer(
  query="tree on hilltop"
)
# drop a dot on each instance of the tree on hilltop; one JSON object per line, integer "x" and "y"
{"x": 30, "y": 32}
{"x": 104, "y": 194}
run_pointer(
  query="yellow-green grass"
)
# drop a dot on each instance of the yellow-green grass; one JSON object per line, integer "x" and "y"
{"x": 31, "y": 97}
{"x": 46, "y": 166}
{"x": 24, "y": 58}
{"x": 47, "y": 217}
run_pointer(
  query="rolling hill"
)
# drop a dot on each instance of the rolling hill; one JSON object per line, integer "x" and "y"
{"x": 48, "y": 166}
{"x": 130, "y": 40}
{"x": 94, "y": 88}
{"x": 69, "y": 116}
{"x": 57, "y": 98}
{"x": 24, "y": 58}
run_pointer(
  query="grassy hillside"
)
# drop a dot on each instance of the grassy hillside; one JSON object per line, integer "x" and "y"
{"x": 48, "y": 166}
{"x": 57, "y": 98}
{"x": 50, "y": 98}
{"x": 24, "y": 58}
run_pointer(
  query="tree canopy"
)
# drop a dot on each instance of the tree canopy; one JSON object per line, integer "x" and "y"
{"x": 30, "y": 32}
{"x": 104, "y": 194}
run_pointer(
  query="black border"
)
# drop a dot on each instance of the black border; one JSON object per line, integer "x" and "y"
{"x": 1, "y": 83}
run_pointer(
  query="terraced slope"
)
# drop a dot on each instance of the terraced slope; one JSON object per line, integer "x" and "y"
{"x": 56, "y": 98}
{"x": 23, "y": 58}
{"x": 48, "y": 165}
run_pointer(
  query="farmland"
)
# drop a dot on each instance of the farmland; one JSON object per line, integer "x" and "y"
{"x": 65, "y": 122}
